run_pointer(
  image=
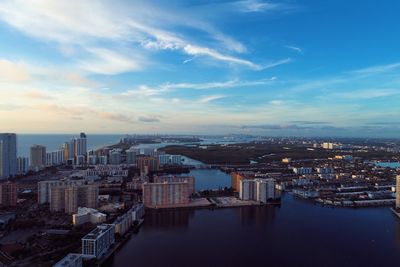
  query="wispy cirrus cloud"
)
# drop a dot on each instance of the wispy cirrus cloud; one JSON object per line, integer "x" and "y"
{"x": 365, "y": 94}
{"x": 377, "y": 69}
{"x": 146, "y": 90}
{"x": 105, "y": 61}
{"x": 67, "y": 24}
{"x": 259, "y": 6}
{"x": 294, "y": 48}
{"x": 210, "y": 98}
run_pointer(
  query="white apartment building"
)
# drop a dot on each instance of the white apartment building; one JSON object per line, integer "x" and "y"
{"x": 85, "y": 215}
{"x": 260, "y": 190}
{"x": 96, "y": 243}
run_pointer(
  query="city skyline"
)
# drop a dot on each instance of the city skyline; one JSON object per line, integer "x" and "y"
{"x": 293, "y": 68}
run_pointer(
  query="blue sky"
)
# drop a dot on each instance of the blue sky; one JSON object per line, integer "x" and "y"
{"x": 305, "y": 68}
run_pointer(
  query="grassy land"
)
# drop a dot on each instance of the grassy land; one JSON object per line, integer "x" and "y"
{"x": 262, "y": 153}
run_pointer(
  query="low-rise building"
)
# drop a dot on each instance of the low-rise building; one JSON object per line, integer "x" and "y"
{"x": 137, "y": 212}
{"x": 71, "y": 260}
{"x": 96, "y": 243}
{"x": 85, "y": 215}
{"x": 123, "y": 223}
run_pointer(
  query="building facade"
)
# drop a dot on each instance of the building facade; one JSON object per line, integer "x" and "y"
{"x": 172, "y": 178}
{"x": 22, "y": 165}
{"x": 8, "y": 194}
{"x": 237, "y": 177}
{"x": 71, "y": 260}
{"x": 147, "y": 164}
{"x": 261, "y": 190}
{"x": 69, "y": 198}
{"x": 96, "y": 243}
{"x": 165, "y": 194}
{"x": 8, "y": 155}
{"x": 44, "y": 188}
{"x": 398, "y": 192}
{"x": 37, "y": 157}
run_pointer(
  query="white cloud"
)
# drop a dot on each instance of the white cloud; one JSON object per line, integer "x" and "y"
{"x": 294, "y": 48}
{"x": 377, "y": 69}
{"x": 277, "y": 63}
{"x": 365, "y": 93}
{"x": 90, "y": 25}
{"x": 207, "y": 99}
{"x": 105, "y": 61}
{"x": 258, "y": 6}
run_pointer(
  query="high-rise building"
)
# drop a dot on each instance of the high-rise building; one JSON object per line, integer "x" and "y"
{"x": 69, "y": 198}
{"x": 38, "y": 157}
{"x": 247, "y": 189}
{"x": 115, "y": 156}
{"x": 8, "y": 155}
{"x": 44, "y": 188}
{"x": 260, "y": 190}
{"x": 22, "y": 165}
{"x": 173, "y": 178}
{"x": 265, "y": 189}
{"x": 398, "y": 192}
{"x": 57, "y": 198}
{"x": 131, "y": 154}
{"x": 147, "y": 164}
{"x": 8, "y": 194}
{"x": 80, "y": 146}
{"x": 237, "y": 177}
{"x": 54, "y": 158}
{"x": 166, "y": 159}
{"x": 165, "y": 194}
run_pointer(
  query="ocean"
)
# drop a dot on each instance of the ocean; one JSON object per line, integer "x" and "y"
{"x": 54, "y": 141}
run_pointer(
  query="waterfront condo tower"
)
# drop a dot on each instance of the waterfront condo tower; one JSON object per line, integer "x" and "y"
{"x": 8, "y": 155}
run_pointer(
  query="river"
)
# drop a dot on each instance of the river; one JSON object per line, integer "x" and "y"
{"x": 297, "y": 233}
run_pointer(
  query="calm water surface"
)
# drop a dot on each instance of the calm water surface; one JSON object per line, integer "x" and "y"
{"x": 210, "y": 179}
{"x": 298, "y": 233}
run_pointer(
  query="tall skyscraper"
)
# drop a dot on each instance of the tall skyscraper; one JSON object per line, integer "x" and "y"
{"x": 8, "y": 155}
{"x": 398, "y": 192}
{"x": 80, "y": 146}
{"x": 38, "y": 157}
{"x": 22, "y": 165}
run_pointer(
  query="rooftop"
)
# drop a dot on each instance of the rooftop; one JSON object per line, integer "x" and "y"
{"x": 98, "y": 231}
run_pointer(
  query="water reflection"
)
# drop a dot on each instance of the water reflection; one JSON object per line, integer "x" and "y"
{"x": 169, "y": 219}
{"x": 257, "y": 215}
